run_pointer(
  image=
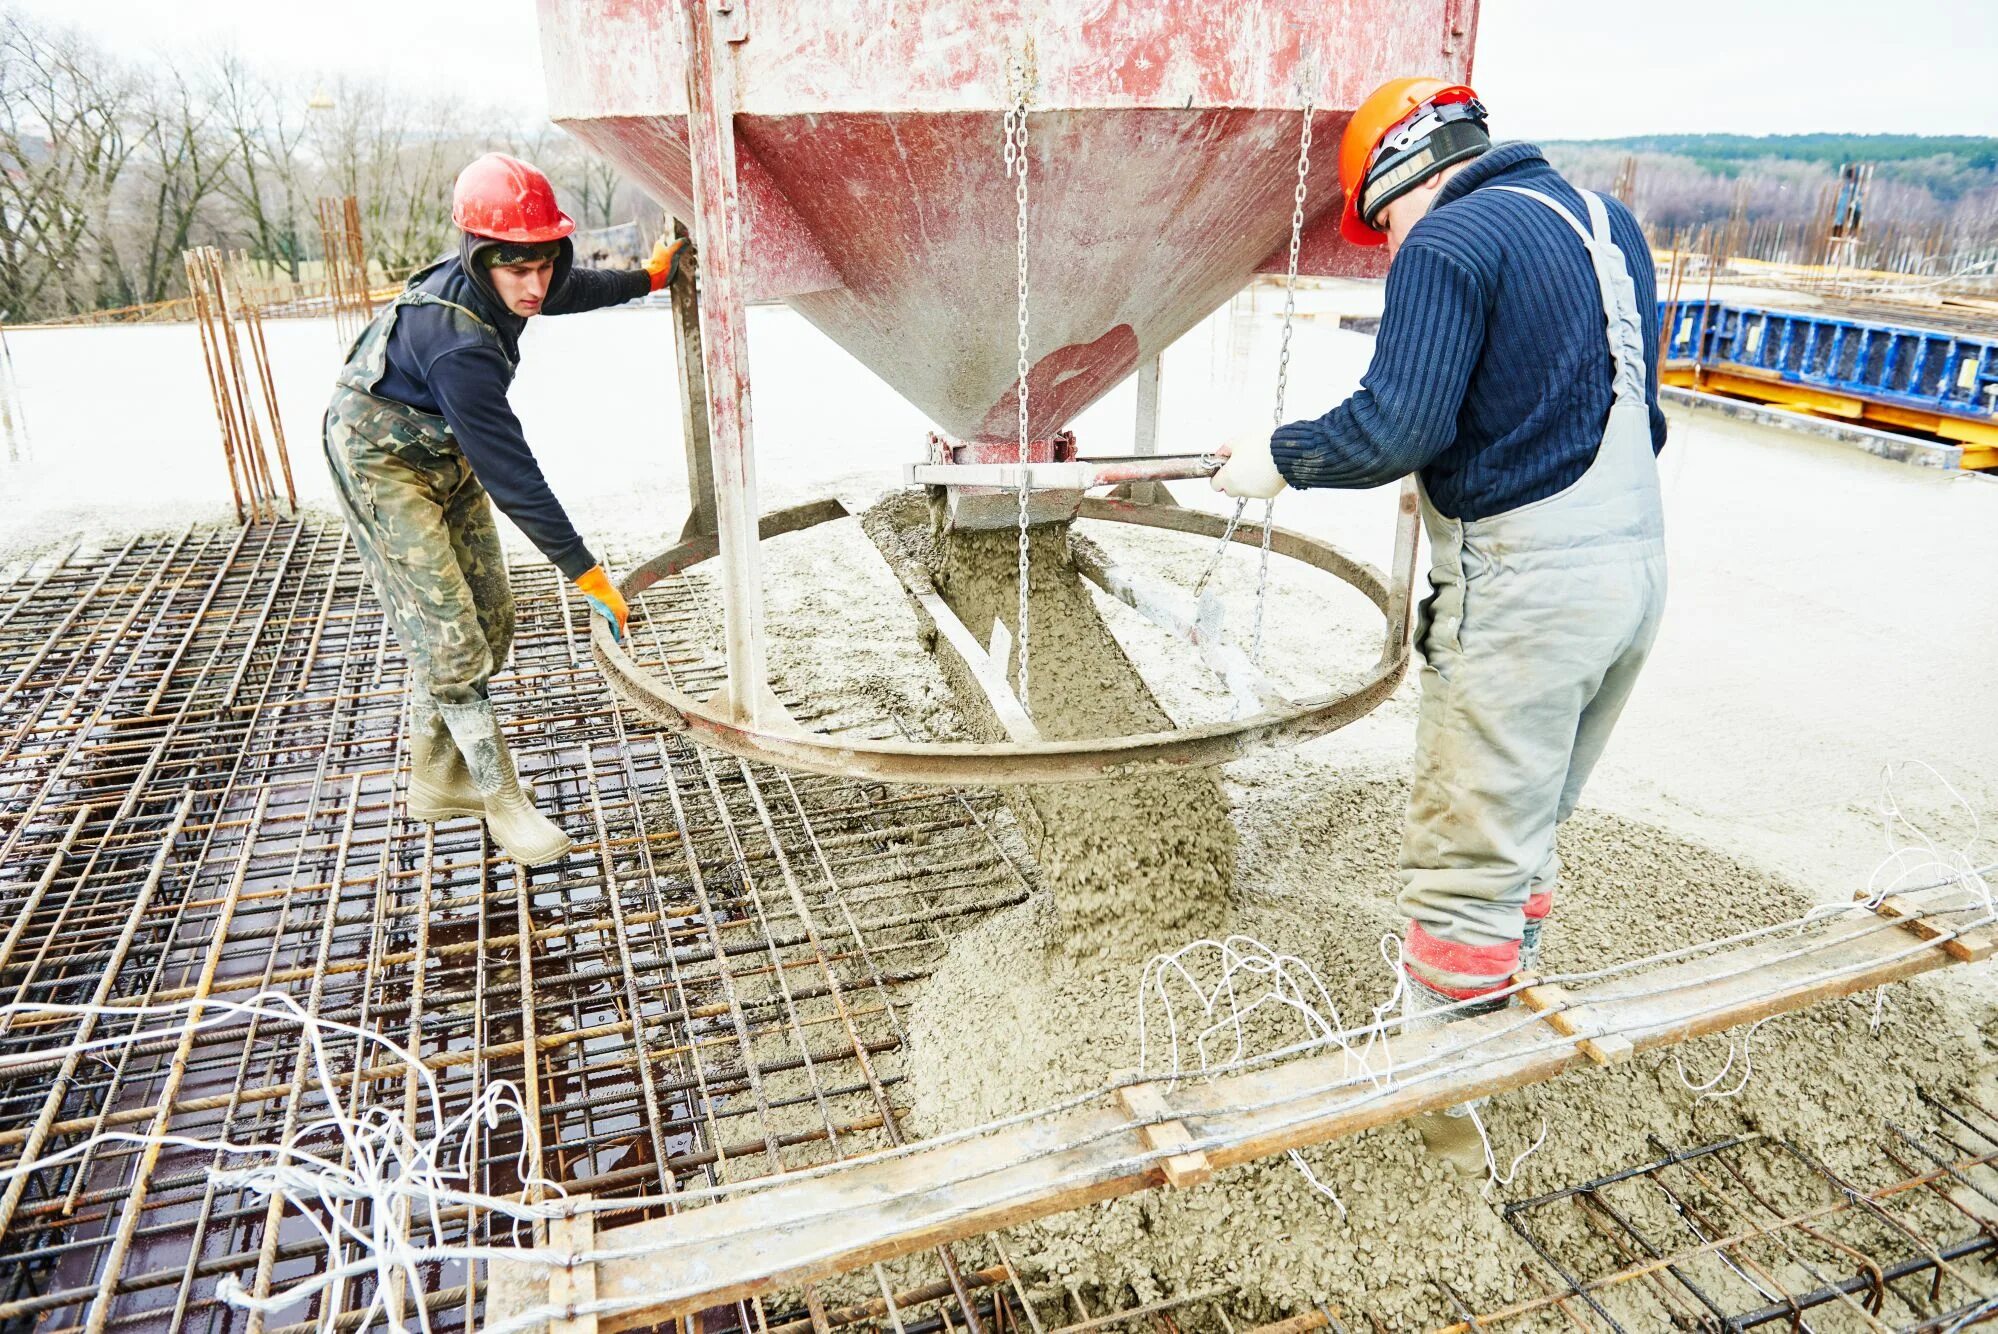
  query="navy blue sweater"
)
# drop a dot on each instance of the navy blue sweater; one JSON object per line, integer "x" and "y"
{"x": 1492, "y": 372}
{"x": 436, "y": 365}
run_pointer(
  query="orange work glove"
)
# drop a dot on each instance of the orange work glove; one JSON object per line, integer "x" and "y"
{"x": 605, "y": 600}
{"x": 664, "y": 266}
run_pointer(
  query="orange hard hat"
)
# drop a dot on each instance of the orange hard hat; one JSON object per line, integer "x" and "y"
{"x": 1362, "y": 163}
{"x": 508, "y": 200}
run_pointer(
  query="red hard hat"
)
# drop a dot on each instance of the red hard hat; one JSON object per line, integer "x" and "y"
{"x": 508, "y": 200}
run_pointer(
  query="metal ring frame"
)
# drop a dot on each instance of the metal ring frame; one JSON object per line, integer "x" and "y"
{"x": 978, "y": 764}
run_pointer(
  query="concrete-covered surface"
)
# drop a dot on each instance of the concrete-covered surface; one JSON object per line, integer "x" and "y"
{"x": 1830, "y": 612}
{"x": 1826, "y": 620}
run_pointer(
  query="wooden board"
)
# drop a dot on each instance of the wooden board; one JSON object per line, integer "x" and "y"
{"x": 1571, "y": 1019}
{"x": 573, "y": 1289}
{"x": 1969, "y": 947}
{"x": 796, "y": 1232}
{"x": 1162, "y": 1133}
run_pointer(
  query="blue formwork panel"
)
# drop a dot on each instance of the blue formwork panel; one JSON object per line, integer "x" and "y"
{"x": 1882, "y": 363}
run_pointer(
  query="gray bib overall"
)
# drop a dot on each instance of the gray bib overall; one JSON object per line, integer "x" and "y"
{"x": 1539, "y": 623}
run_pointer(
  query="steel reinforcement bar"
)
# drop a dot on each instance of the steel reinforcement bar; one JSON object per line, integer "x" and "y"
{"x": 201, "y": 762}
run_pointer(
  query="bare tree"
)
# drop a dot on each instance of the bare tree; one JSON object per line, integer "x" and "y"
{"x": 184, "y": 160}
{"x": 589, "y": 185}
{"x": 400, "y": 158}
{"x": 267, "y": 125}
{"x": 107, "y": 175}
{"x": 64, "y": 114}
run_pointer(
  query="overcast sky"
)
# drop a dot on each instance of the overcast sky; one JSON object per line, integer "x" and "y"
{"x": 1556, "y": 69}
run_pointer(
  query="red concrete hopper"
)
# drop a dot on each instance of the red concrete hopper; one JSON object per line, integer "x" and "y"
{"x": 874, "y": 201}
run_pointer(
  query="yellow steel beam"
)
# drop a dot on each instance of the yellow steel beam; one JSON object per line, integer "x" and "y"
{"x": 1800, "y": 397}
{"x": 1978, "y": 439}
{"x": 1949, "y": 428}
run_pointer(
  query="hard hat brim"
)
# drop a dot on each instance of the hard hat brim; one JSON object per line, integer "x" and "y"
{"x": 1353, "y": 229}
{"x": 554, "y": 231}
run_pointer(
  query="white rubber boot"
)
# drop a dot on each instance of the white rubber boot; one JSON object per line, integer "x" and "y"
{"x": 440, "y": 786}
{"x": 1450, "y": 1134}
{"x": 528, "y": 836}
{"x": 523, "y": 833}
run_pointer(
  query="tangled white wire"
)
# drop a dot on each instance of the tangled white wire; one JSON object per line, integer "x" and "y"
{"x": 1495, "y": 1179}
{"x": 363, "y": 1195}
{"x": 1245, "y": 977}
{"x": 1227, "y": 982}
{"x": 1911, "y": 853}
{"x": 1744, "y": 1051}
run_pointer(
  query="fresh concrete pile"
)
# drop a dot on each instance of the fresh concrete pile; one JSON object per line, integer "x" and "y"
{"x": 1011, "y": 1021}
{"x": 1133, "y": 865}
{"x": 1040, "y": 1001}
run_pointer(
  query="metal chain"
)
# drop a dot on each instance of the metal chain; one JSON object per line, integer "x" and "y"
{"x": 1290, "y": 268}
{"x": 1283, "y": 380}
{"x": 1283, "y": 353}
{"x": 1221, "y": 548}
{"x": 1021, "y": 75}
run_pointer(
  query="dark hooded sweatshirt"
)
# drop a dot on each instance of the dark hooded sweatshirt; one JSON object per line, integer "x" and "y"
{"x": 434, "y": 365}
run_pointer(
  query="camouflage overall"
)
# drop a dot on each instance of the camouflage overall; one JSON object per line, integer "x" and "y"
{"x": 424, "y": 530}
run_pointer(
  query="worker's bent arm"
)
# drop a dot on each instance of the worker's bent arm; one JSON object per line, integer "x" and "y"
{"x": 593, "y": 289}
{"x": 470, "y": 385}
{"x": 1405, "y": 412}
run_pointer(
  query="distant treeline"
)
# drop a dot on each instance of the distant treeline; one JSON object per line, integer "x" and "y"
{"x": 1920, "y": 182}
{"x": 110, "y": 168}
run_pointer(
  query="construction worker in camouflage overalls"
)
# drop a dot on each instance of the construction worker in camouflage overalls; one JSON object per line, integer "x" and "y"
{"x": 418, "y": 436}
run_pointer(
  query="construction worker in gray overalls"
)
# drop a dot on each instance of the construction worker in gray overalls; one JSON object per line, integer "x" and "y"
{"x": 419, "y": 434}
{"x": 1516, "y": 375}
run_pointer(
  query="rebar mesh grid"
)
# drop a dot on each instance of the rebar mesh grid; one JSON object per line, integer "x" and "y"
{"x": 200, "y": 767}
{"x": 1754, "y": 1231}
{"x": 200, "y": 774}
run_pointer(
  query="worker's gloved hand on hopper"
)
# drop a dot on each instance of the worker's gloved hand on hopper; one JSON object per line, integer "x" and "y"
{"x": 1249, "y": 473}
{"x": 605, "y": 600}
{"x": 664, "y": 266}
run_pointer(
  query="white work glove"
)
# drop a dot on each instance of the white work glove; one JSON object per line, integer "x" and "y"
{"x": 1249, "y": 473}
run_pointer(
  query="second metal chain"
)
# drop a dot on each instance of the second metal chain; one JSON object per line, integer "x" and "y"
{"x": 1021, "y": 75}
{"x": 1283, "y": 380}
{"x": 1283, "y": 352}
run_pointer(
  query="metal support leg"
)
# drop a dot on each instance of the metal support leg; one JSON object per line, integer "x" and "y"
{"x": 693, "y": 396}
{"x": 746, "y": 696}
{"x": 1146, "y": 442}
